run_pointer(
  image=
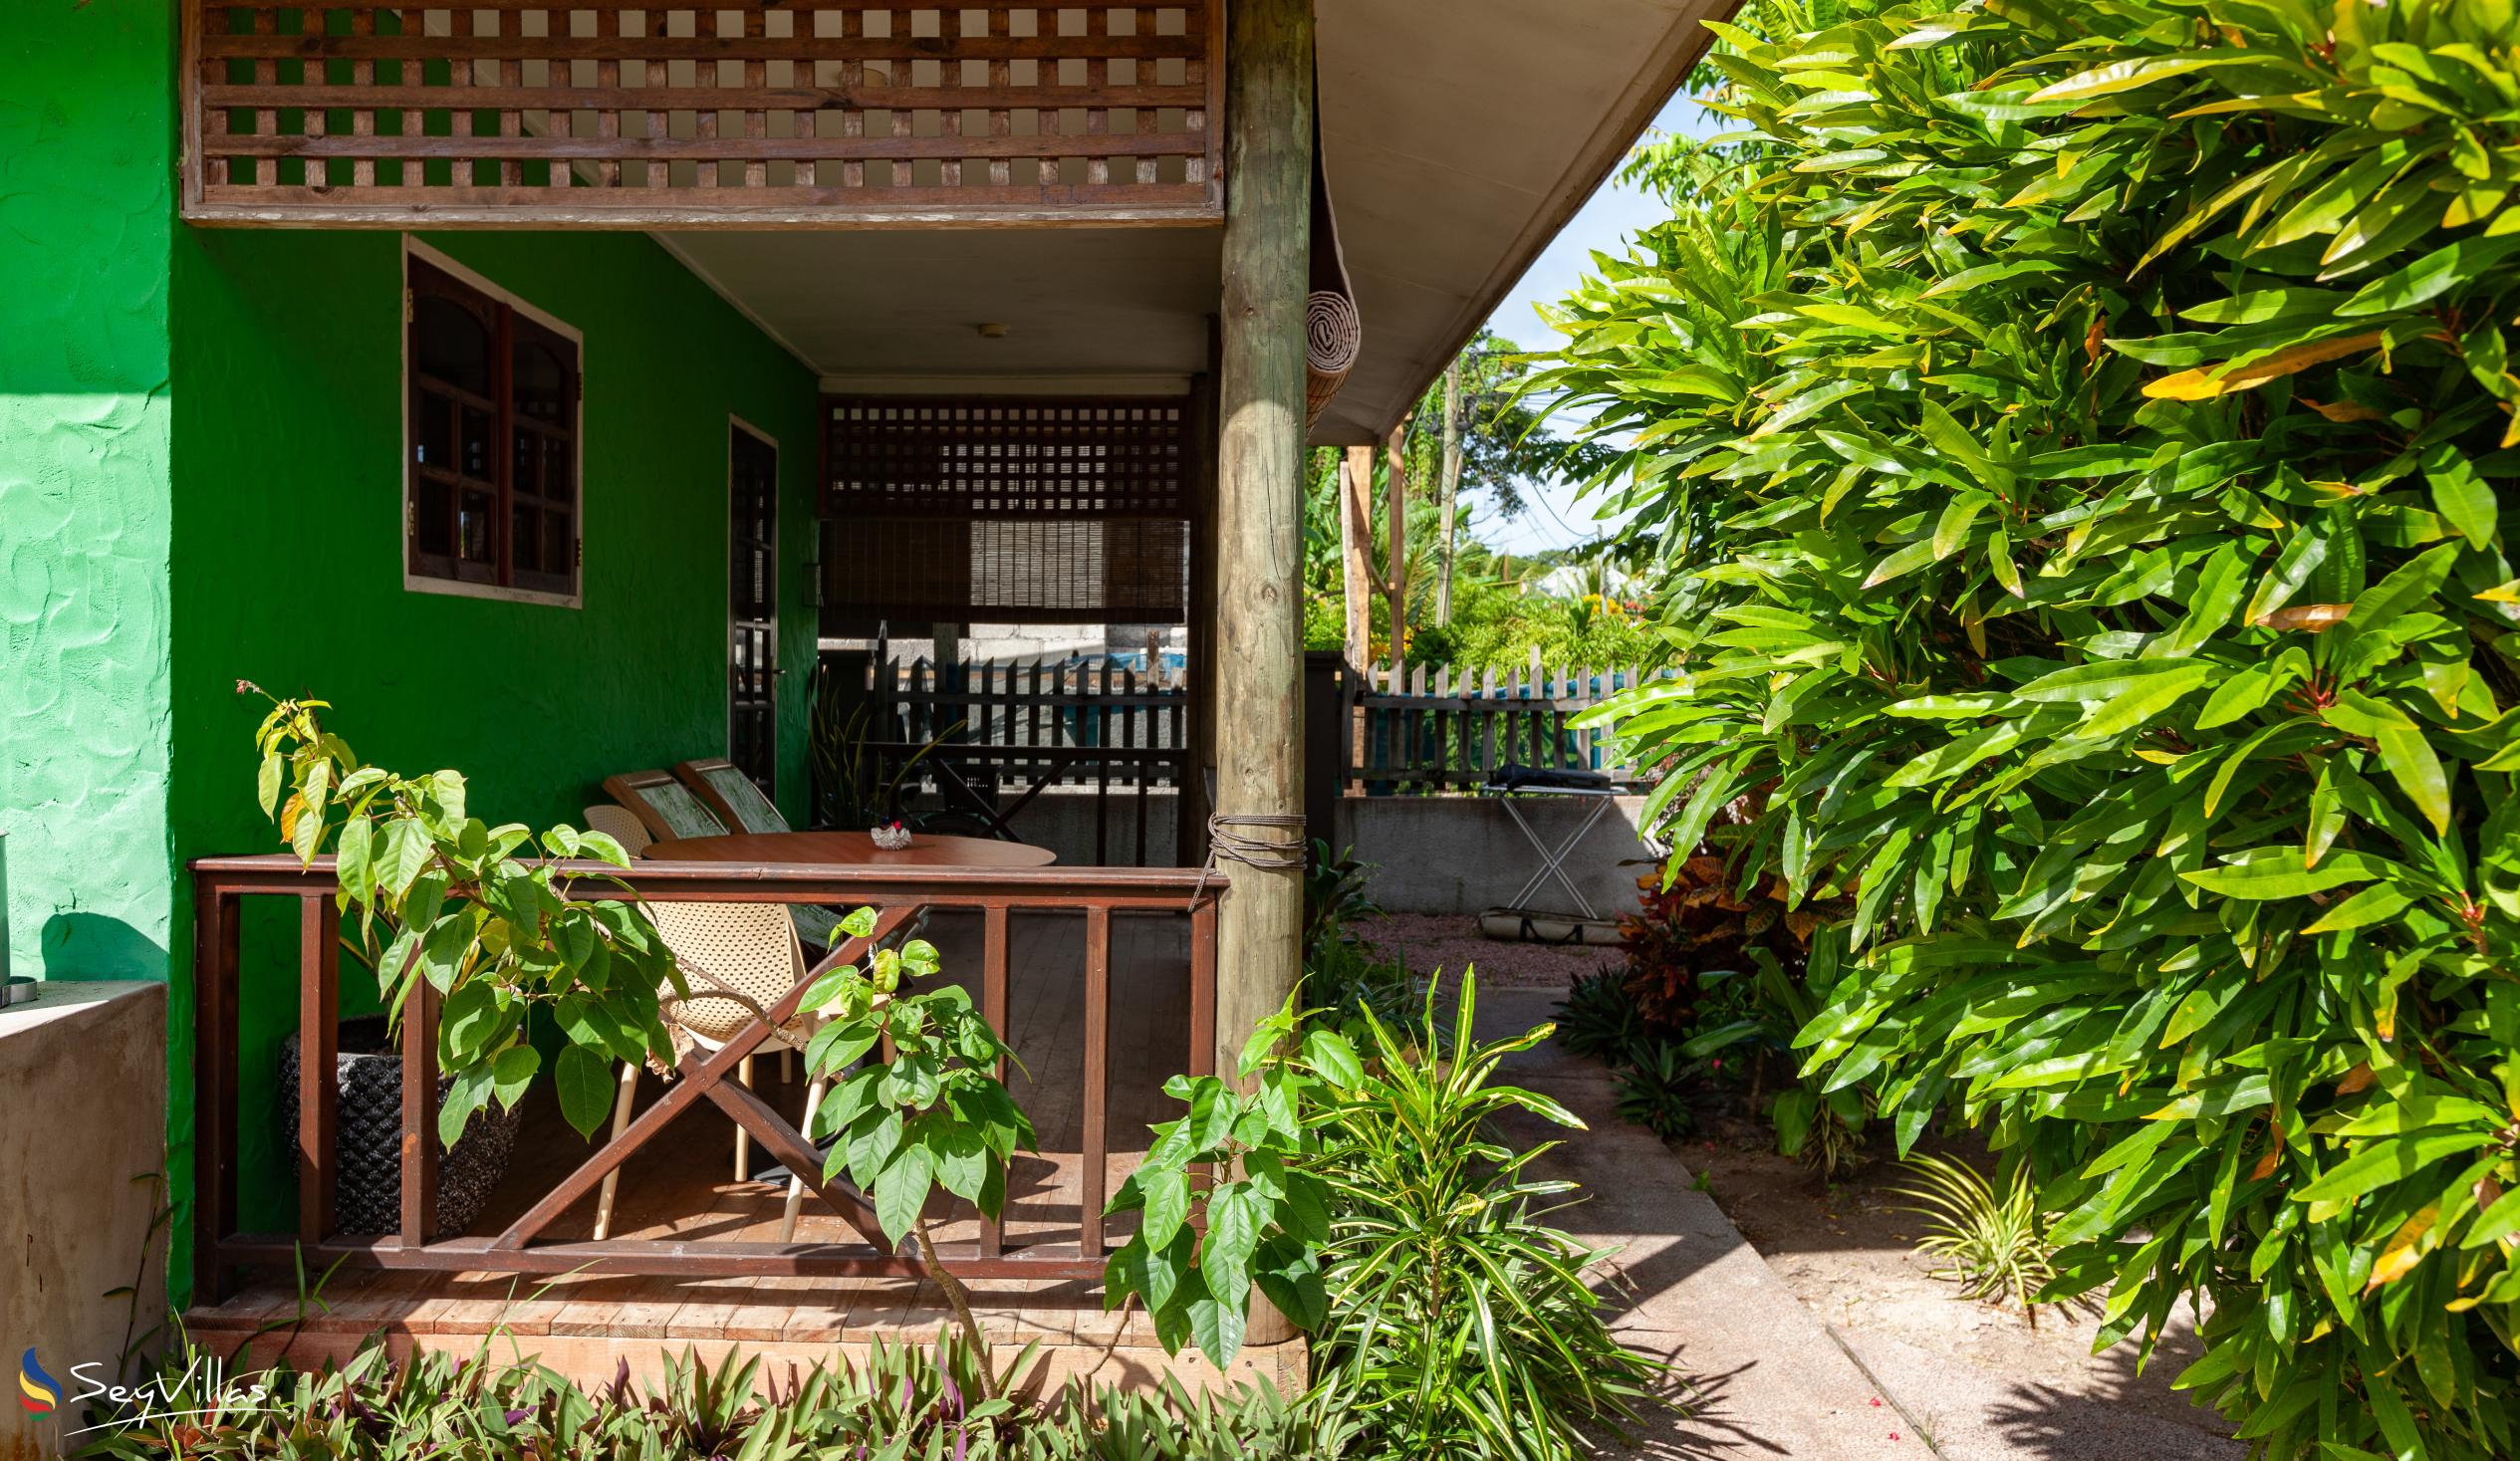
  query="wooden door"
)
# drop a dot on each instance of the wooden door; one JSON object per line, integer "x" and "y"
{"x": 752, "y": 608}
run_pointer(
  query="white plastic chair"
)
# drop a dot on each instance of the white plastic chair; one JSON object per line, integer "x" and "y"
{"x": 739, "y": 959}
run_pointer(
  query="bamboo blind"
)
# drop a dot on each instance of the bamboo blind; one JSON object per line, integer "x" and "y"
{"x": 765, "y": 112}
{"x": 1006, "y": 510}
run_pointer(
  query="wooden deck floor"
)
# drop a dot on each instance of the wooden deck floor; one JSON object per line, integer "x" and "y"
{"x": 682, "y": 1187}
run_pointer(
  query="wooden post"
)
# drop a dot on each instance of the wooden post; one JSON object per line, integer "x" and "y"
{"x": 1325, "y": 743}
{"x": 1260, "y": 513}
{"x": 1198, "y": 769}
{"x": 947, "y": 654}
{"x": 1355, "y": 540}
{"x": 1395, "y": 494}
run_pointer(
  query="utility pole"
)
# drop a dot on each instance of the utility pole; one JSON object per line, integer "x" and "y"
{"x": 1396, "y": 495}
{"x": 1448, "y": 489}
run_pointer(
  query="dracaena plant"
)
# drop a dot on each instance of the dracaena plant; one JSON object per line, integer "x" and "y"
{"x": 488, "y": 916}
{"x": 2082, "y": 435}
{"x": 1460, "y": 1324}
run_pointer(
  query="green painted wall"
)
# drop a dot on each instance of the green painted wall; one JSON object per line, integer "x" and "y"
{"x": 200, "y": 456}
{"x": 288, "y": 351}
{"x": 87, "y": 151}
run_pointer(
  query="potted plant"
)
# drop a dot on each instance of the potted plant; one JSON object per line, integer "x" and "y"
{"x": 368, "y": 1134}
{"x": 497, "y": 922}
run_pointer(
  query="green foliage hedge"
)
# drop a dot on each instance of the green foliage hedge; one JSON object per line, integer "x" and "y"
{"x": 902, "y": 1403}
{"x": 2085, "y": 430}
{"x": 1497, "y": 625}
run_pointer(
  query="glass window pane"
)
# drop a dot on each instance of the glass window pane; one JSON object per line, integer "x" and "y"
{"x": 433, "y": 434}
{"x": 472, "y": 528}
{"x": 475, "y": 459}
{"x": 560, "y": 467}
{"x": 542, "y": 384}
{"x": 524, "y": 537}
{"x": 524, "y": 457}
{"x": 434, "y": 524}
{"x": 450, "y": 343}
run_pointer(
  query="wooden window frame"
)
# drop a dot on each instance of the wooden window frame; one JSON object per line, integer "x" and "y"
{"x": 512, "y": 313}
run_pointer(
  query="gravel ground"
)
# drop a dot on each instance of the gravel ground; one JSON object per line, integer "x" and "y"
{"x": 1446, "y": 943}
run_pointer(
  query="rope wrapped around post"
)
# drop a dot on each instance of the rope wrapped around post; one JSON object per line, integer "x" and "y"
{"x": 1226, "y": 843}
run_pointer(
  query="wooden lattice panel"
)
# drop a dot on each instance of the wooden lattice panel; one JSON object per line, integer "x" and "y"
{"x": 1015, "y": 510}
{"x": 761, "y": 114}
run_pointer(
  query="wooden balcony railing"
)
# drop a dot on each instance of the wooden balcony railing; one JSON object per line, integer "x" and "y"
{"x": 633, "y": 114}
{"x": 222, "y": 884}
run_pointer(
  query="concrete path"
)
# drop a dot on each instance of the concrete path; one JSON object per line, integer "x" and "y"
{"x": 1771, "y": 1381}
{"x": 1767, "y": 1379}
{"x": 1974, "y": 1415}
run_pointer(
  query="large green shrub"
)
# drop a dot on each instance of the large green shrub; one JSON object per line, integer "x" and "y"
{"x": 2085, "y": 430}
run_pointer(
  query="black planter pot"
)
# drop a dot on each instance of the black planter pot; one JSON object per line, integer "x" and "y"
{"x": 368, "y": 1138}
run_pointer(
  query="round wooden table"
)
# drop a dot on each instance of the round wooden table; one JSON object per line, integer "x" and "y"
{"x": 849, "y": 850}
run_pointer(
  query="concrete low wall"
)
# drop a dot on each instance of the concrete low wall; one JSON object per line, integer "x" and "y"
{"x": 1464, "y": 854}
{"x": 1432, "y": 854}
{"x": 83, "y": 1114}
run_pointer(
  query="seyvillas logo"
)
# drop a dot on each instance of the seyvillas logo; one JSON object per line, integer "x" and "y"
{"x": 202, "y": 1388}
{"x": 38, "y": 1393}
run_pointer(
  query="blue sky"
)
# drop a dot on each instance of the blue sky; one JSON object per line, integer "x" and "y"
{"x": 1555, "y": 519}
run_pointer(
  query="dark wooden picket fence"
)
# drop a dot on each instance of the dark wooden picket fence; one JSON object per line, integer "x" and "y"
{"x": 1417, "y": 728}
{"x": 990, "y": 738}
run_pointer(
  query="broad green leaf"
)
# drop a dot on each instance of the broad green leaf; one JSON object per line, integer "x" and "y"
{"x": 468, "y": 1093}
{"x": 2370, "y": 905}
{"x": 2147, "y": 699}
{"x": 2119, "y": 76}
{"x": 1235, "y": 1215}
{"x": 352, "y": 862}
{"x": 2495, "y": 1223}
{"x": 584, "y": 1080}
{"x": 1168, "y": 1204}
{"x": 1901, "y": 561}
{"x": 2417, "y": 771}
{"x": 470, "y": 1021}
{"x": 408, "y": 851}
{"x": 2108, "y": 680}
{"x": 2406, "y": 587}
{"x": 1218, "y": 1329}
{"x": 2277, "y": 872}
{"x": 2462, "y": 497}
{"x": 513, "y": 1071}
{"x": 2207, "y": 381}
{"x": 902, "y": 1188}
{"x": 2386, "y": 1160}
{"x": 2433, "y": 275}
{"x": 1332, "y": 1059}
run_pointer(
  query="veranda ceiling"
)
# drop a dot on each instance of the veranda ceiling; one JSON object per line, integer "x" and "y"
{"x": 1458, "y": 136}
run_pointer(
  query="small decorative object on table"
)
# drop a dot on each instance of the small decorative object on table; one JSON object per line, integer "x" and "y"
{"x": 891, "y": 836}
